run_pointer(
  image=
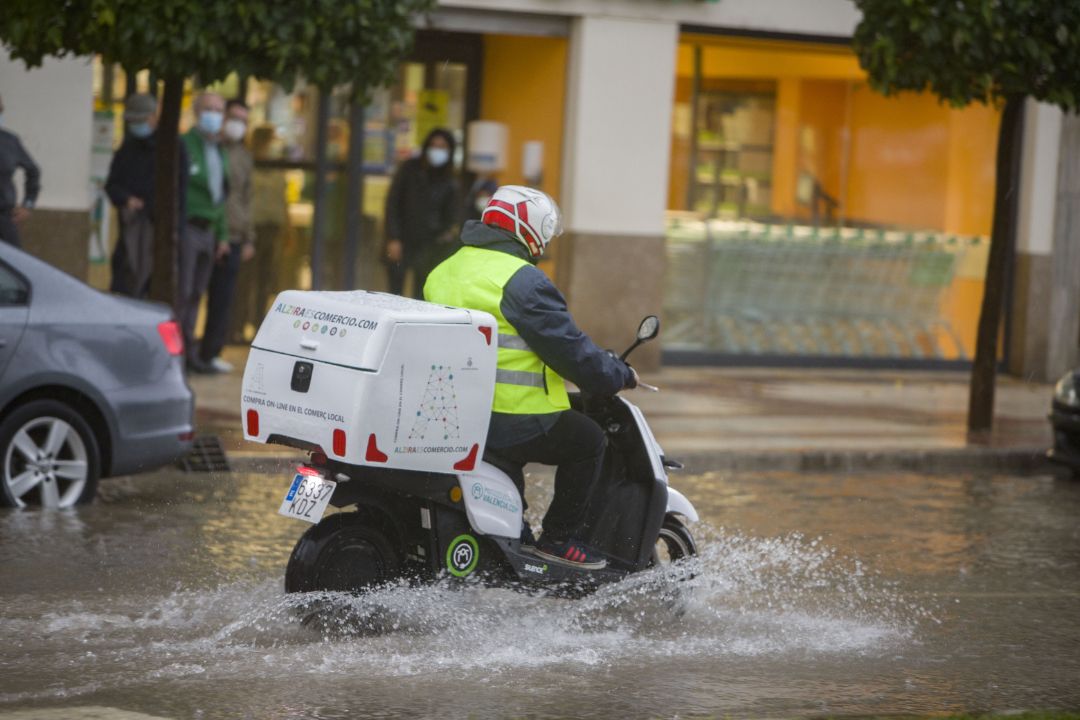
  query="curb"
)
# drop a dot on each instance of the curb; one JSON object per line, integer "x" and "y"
{"x": 1022, "y": 460}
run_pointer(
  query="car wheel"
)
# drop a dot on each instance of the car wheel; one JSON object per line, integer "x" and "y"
{"x": 50, "y": 457}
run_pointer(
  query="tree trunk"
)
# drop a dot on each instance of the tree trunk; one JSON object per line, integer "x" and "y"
{"x": 166, "y": 223}
{"x": 1002, "y": 243}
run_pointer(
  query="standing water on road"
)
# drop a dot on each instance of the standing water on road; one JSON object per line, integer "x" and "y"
{"x": 827, "y": 594}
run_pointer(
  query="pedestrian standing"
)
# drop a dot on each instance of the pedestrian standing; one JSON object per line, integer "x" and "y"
{"x": 422, "y": 209}
{"x": 206, "y": 237}
{"x": 12, "y": 157}
{"x": 258, "y": 280}
{"x": 130, "y": 187}
{"x": 219, "y": 297}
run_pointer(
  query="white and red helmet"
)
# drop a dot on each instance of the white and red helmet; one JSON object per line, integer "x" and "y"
{"x": 526, "y": 213}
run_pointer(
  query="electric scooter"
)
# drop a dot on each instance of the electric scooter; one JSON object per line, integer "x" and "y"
{"x": 423, "y": 525}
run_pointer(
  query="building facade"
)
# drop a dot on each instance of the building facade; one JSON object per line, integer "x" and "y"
{"x": 723, "y": 163}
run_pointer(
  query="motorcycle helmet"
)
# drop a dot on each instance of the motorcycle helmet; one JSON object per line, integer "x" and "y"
{"x": 528, "y": 214}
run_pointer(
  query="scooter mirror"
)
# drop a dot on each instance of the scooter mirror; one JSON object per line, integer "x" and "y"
{"x": 649, "y": 328}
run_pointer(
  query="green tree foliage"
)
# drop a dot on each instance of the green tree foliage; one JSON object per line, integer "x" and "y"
{"x": 328, "y": 42}
{"x": 973, "y": 50}
{"x": 987, "y": 51}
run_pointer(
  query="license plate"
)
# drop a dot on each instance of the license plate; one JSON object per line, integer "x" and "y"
{"x": 307, "y": 498}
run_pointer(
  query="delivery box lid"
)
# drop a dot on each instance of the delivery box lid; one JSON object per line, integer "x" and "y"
{"x": 350, "y": 328}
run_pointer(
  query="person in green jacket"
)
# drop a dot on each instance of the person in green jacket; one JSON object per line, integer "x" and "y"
{"x": 206, "y": 237}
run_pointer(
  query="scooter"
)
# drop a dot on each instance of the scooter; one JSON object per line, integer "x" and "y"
{"x": 424, "y": 525}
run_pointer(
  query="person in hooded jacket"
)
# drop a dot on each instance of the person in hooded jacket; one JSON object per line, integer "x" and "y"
{"x": 422, "y": 213}
{"x": 130, "y": 187}
{"x": 538, "y": 345}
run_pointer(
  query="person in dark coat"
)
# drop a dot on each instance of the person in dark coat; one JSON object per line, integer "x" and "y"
{"x": 422, "y": 213}
{"x": 130, "y": 187}
{"x": 540, "y": 347}
{"x": 13, "y": 156}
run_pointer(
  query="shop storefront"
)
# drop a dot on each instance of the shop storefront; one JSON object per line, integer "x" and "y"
{"x": 811, "y": 218}
{"x": 449, "y": 80}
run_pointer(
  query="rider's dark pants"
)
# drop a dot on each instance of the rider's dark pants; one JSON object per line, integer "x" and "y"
{"x": 575, "y": 443}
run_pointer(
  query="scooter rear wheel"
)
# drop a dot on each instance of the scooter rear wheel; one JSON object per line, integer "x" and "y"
{"x": 674, "y": 542}
{"x": 342, "y": 552}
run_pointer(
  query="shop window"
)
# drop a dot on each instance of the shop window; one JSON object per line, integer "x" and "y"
{"x": 811, "y": 216}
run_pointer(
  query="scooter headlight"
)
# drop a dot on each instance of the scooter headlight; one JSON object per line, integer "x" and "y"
{"x": 1065, "y": 392}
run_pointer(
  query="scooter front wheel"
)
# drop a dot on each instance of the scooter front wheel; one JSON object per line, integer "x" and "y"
{"x": 674, "y": 542}
{"x": 342, "y": 552}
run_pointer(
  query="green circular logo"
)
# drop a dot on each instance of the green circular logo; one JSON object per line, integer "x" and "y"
{"x": 462, "y": 555}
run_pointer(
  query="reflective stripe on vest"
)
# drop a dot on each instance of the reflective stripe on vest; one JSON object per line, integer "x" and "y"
{"x": 474, "y": 278}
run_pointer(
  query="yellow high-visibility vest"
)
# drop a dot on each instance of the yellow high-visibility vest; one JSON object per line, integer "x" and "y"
{"x": 474, "y": 278}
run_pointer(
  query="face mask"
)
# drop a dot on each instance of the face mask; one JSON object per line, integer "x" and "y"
{"x": 235, "y": 130}
{"x": 140, "y": 130}
{"x": 437, "y": 156}
{"x": 210, "y": 121}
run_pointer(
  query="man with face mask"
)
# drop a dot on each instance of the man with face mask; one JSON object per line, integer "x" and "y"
{"x": 12, "y": 157}
{"x": 207, "y": 235}
{"x": 130, "y": 187}
{"x": 219, "y": 296}
{"x": 422, "y": 213}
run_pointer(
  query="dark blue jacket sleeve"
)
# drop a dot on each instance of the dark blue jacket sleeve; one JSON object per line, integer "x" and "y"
{"x": 538, "y": 311}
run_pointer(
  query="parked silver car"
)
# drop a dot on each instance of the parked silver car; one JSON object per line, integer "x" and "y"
{"x": 91, "y": 385}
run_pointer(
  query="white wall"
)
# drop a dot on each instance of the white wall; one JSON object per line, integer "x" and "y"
{"x": 1038, "y": 178}
{"x": 621, "y": 83}
{"x": 803, "y": 17}
{"x": 51, "y": 110}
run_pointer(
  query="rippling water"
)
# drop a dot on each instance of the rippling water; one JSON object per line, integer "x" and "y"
{"x": 813, "y": 595}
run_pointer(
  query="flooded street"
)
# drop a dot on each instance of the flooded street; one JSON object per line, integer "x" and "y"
{"x": 813, "y": 595}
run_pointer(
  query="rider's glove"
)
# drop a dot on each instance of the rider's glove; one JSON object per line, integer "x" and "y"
{"x": 633, "y": 381}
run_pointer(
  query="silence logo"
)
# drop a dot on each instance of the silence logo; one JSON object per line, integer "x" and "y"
{"x": 438, "y": 410}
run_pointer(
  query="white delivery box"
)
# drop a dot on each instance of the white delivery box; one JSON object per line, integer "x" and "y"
{"x": 372, "y": 379}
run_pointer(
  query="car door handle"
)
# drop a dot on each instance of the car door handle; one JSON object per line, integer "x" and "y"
{"x": 309, "y": 344}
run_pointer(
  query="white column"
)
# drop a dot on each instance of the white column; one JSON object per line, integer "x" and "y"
{"x": 51, "y": 110}
{"x": 1038, "y": 178}
{"x": 620, "y": 89}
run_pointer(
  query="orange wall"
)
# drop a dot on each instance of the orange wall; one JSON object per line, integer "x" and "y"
{"x": 524, "y": 86}
{"x": 973, "y": 138}
{"x": 899, "y": 160}
{"x": 907, "y": 160}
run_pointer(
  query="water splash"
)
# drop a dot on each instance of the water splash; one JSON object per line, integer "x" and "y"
{"x": 742, "y": 597}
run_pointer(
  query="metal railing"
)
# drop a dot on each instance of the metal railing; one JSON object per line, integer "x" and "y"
{"x": 761, "y": 289}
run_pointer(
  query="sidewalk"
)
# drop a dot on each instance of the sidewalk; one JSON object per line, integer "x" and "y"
{"x": 788, "y": 419}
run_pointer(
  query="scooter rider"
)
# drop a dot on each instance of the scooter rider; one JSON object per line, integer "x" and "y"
{"x": 539, "y": 345}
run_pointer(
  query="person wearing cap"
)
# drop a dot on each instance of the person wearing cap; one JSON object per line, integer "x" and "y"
{"x": 12, "y": 157}
{"x": 130, "y": 187}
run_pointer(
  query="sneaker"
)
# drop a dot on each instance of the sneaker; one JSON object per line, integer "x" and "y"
{"x": 221, "y": 366}
{"x": 570, "y": 553}
{"x": 198, "y": 367}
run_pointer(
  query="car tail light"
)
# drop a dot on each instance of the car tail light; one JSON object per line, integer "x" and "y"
{"x": 170, "y": 335}
{"x": 253, "y": 423}
{"x": 339, "y": 442}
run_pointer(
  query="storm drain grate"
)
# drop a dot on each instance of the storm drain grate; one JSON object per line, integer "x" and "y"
{"x": 207, "y": 455}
